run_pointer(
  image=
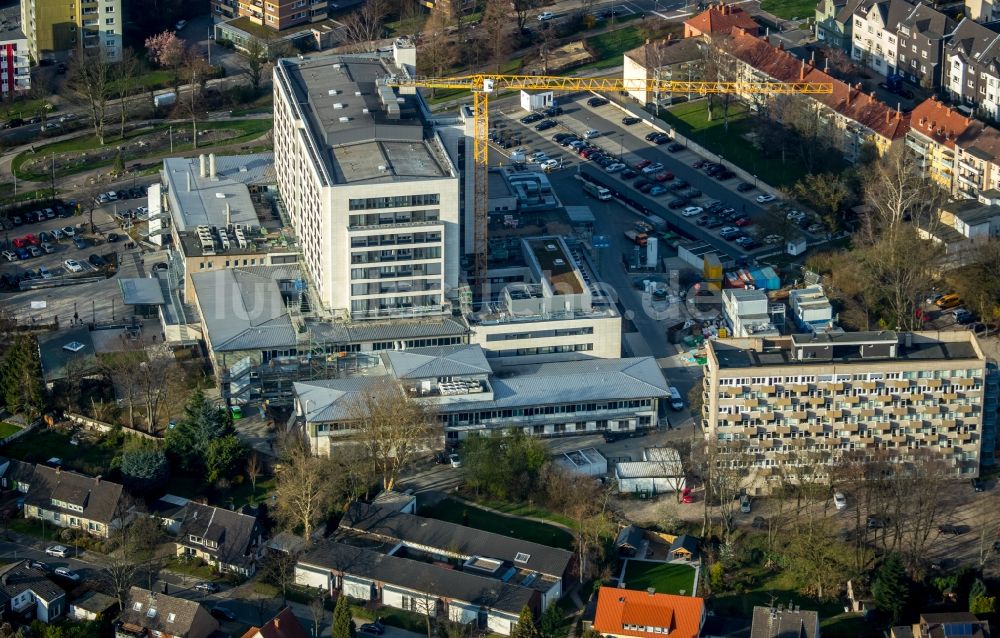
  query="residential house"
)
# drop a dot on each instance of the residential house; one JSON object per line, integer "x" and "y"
{"x": 921, "y": 37}
{"x": 668, "y": 59}
{"x": 469, "y": 591}
{"x": 835, "y": 23}
{"x": 93, "y": 605}
{"x": 548, "y": 567}
{"x": 977, "y": 161}
{"x": 875, "y": 41}
{"x": 28, "y": 594}
{"x": 16, "y": 475}
{"x": 944, "y": 625}
{"x": 284, "y": 625}
{"x": 780, "y": 622}
{"x": 631, "y": 541}
{"x": 934, "y": 131}
{"x": 855, "y": 118}
{"x": 972, "y": 66}
{"x": 231, "y": 542}
{"x": 629, "y": 613}
{"x": 685, "y": 548}
{"x": 68, "y": 499}
{"x": 719, "y": 20}
{"x": 153, "y": 615}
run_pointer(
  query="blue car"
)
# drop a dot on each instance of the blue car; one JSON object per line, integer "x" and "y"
{"x": 80, "y": 242}
{"x": 22, "y": 253}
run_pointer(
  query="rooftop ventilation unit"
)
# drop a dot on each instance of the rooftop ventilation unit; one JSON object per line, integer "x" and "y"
{"x": 364, "y": 110}
{"x": 243, "y": 169}
{"x": 224, "y": 238}
{"x": 383, "y": 167}
{"x": 337, "y": 65}
{"x": 241, "y": 238}
{"x": 357, "y": 94}
{"x": 559, "y": 262}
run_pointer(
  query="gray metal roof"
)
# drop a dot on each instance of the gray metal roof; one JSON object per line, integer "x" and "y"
{"x": 242, "y": 308}
{"x": 388, "y": 523}
{"x": 419, "y": 577}
{"x": 56, "y": 359}
{"x": 647, "y": 469}
{"x": 431, "y": 363}
{"x": 330, "y": 399}
{"x": 141, "y": 291}
{"x": 204, "y": 204}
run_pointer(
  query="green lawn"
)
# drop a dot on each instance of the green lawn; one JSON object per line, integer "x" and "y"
{"x": 235, "y": 497}
{"x": 472, "y": 516}
{"x": 6, "y": 429}
{"x": 194, "y": 568}
{"x": 777, "y": 589}
{"x": 790, "y": 9}
{"x": 610, "y": 46}
{"x": 850, "y": 625}
{"x": 27, "y": 108}
{"x": 35, "y": 527}
{"x": 665, "y": 578}
{"x": 691, "y": 120}
{"x": 89, "y": 457}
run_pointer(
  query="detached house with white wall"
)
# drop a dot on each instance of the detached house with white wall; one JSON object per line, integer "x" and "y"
{"x": 68, "y": 499}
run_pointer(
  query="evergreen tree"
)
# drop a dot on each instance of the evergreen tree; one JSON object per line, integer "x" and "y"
{"x": 21, "y": 377}
{"x": 977, "y": 589}
{"x": 890, "y": 588}
{"x": 343, "y": 624}
{"x": 202, "y": 424}
{"x": 551, "y": 621}
{"x": 144, "y": 468}
{"x": 525, "y": 627}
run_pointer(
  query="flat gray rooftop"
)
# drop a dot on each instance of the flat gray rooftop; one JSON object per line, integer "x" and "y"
{"x": 204, "y": 204}
{"x": 364, "y": 131}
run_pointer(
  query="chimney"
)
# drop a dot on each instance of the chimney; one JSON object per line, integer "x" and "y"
{"x": 781, "y": 46}
{"x": 211, "y": 165}
{"x": 651, "y": 591}
{"x": 277, "y": 621}
{"x": 887, "y": 116}
{"x": 201, "y": 165}
{"x": 826, "y": 65}
{"x": 58, "y": 469}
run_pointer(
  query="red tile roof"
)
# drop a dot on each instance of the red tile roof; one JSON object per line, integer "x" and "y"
{"x": 938, "y": 122}
{"x": 681, "y": 615}
{"x": 284, "y": 625}
{"x": 719, "y": 19}
{"x": 851, "y": 102}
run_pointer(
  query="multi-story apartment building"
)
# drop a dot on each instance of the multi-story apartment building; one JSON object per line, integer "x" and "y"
{"x": 835, "y": 23}
{"x": 666, "y": 60}
{"x": 972, "y": 66}
{"x": 874, "y": 32}
{"x": 368, "y": 184}
{"x": 53, "y": 27}
{"x": 934, "y": 131}
{"x": 977, "y": 162}
{"x": 855, "y": 117}
{"x": 15, "y": 64}
{"x": 276, "y": 14}
{"x": 811, "y": 398}
{"x": 921, "y": 37}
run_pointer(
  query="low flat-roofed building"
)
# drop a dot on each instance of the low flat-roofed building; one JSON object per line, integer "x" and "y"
{"x": 748, "y": 313}
{"x": 547, "y": 308}
{"x": 811, "y": 309}
{"x": 588, "y": 462}
{"x": 660, "y": 471}
{"x": 854, "y": 384}
{"x": 548, "y": 399}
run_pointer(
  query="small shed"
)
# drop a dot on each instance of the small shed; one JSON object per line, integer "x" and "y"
{"x": 536, "y": 100}
{"x": 796, "y": 245}
{"x": 93, "y": 605}
{"x": 630, "y": 541}
{"x": 685, "y": 548}
{"x": 588, "y": 462}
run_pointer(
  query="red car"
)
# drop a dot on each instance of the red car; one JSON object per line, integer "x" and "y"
{"x": 743, "y": 221}
{"x": 641, "y": 164}
{"x": 31, "y": 239}
{"x": 20, "y": 242}
{"x": 665, "y": 176}
{"x": 686, "y": 496}
{"x": 585, "y": 153}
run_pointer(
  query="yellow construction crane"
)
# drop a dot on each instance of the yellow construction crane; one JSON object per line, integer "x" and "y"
{"x": 483, "y": 85}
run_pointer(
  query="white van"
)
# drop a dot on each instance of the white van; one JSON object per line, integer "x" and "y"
{"x": 676, "y": 400}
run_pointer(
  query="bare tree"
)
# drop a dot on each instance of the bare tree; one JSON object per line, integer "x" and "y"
{"x": 521, "y": 9}
{"x": 392, "y": 428}
{"x": 126, "y": 80}
{"x": 364, "y": 28}
{"x": 303, "y": 487}
{"x": 581, "y": 499}
{"x": 195, "y": 71}
{"x": 254, "y": 469}
{"x": 317, "y": 611}
{"x": 436, "y": 52}
{"x": 495, "y": 27}
{"x": 729, "y": 477}
{"x": 134, "y": 547}
{"x": 91, "y": 78}
{"x": 278, "y": 568}
{"x": 254, "y": 62}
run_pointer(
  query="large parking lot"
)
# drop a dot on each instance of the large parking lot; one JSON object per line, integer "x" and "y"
{"x": 648, "y": 177}
{"x": 54, "y": 241}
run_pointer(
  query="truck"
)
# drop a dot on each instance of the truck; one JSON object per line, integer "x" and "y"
{"x": 596, "y": 191}
{"x": 639, "y": 239}
{"x": 164, "y": 99}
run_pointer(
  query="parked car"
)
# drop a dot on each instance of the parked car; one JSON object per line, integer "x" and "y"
{"x": 591, "y": 134}
{"x": 839, "y": 501}
{"x": 40, "y": 566}
{"x": 545, "y": 125}
{"x": 652, "y": 169}
{"x": 545, "y": 16}
{"x": 68, "y": 574}
{"x": 113, "y": 237}
{"x": 73, "y": 265}
{"x": 531, "y": 118}
{"x": 629, "y": 121}
{"x": 744, "y": 187}
{"x": 693, "y": 211}
{"x": 96, "y": 261}
{"x": 9, "y": 255}
{"x": 978, "y": 485}
{"x": 80, "y": 242}
{"x": 454, "y": 460}
{"x": 597, "y": 101}
{"x": 374, "y": 628}
{"x": 69, "y": 231}
{"x": 764, "y": 199}
{"x": 48, "y": 248}
{"x": 57, "y": 233}
{"x": 675, "y": 147}
{"x": 223, "y": 613}
{"x": 207, "y": 586}
{"x": 745, "y": 504}
{"x": 59, "y": 551}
